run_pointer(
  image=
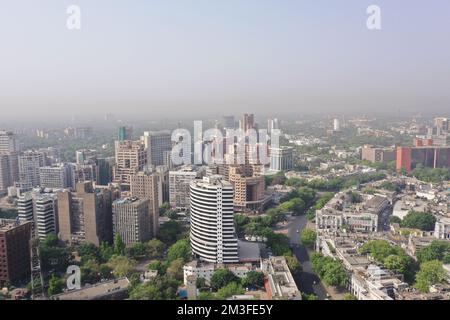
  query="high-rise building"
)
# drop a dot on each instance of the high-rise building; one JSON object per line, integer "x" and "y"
{"x": 125, "y": 133}
{"x": 229, "y": 122}
{"x": 336, "y": 125}
{"x": 29, "y": 164}
{"x": 131, "y": 158}
{"x": 85, "y": 216}
{"x": 148, "y": 185}
{"x": 9, "y": 170}
{"x": 179, "y": 186}
{"x": 7, "y": 142}
{"x": 427, "y": 156}
{"x": 86, "y": 156}
{"x": 15, "y": 251}
{"x": 374, "y": 154}
{"x": 272, "y": 124}
{"x": 55, "y": 177}
{"x": 105, "y": 170}
{"x": 156, "y": 144}
{"x": 46, "y": 214}
{"x": 85, "y": 172}
{"x": 247, "y": 122}
{"x": 249, "y": 187}
{"x": 131, "y": 220}
{"x": 281, "y": 159}
{"x": 212, "y": 234}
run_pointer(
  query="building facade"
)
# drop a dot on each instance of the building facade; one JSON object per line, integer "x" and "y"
{"x": 131, "y": 220}
{"x": 213, "y": 236}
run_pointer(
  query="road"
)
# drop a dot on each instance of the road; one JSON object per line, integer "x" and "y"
{"x": 307, "y": 278}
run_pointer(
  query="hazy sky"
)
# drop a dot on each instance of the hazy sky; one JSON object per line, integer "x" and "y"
{"x": 166, "y": 57}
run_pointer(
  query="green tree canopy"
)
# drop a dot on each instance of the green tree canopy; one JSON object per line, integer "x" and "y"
{"x": 308, "y": 237}
{"x": 253, "y": 279}
{"x": 222, "y": 277}
{"x": 431, "y": 272}
{"x": 231, "y": 289}
{"x": 419, "y": 220}
{"x": 179, "y": 250}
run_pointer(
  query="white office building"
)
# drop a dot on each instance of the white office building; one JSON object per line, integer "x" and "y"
{"x": 213, "y": 236}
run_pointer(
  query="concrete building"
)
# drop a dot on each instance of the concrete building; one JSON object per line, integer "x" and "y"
{"x": 41, "y": 209}
{"x": 213, "y": 236}
{"x": 125, "y": 133}
{"x": 86, "y": 156}
{"x": 131, "y": 220}
{"x": 131, "y": 157}
{"x": 428, "y": 156}
{"x": 14, "y": 251}
{"x": 228, "y": 122}
{"x": 116, "y": 289}
{"x": 272, "y": 124}
{"x": 198, "y": 269}
{"x": 148, "y": 185}
{"x": 280, "y": 284}
{"x": 442, "y": 228}
{"x": 29, "y": 164}
{"x": 374, "y": 154}
{"x": 85, "y": 216}
{"x": 340, "y": 213}
{"x": 247, "y": 122}
{"x": 7, "y": 142}
{"x": 281, "y": 159}
{"x": 9, "y": 170}
{"x": 46, "y": 215}
{"x": 179, "y": 186}
{"x": 55, "y": 177}
{"x": 156, "y": 144}
{"x": 249, "y": 187}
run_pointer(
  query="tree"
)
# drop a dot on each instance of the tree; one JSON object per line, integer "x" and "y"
{"x": 200, "y": 283}
{"x": 169, "y": 231}
{"x": 88, "y": 251}
{"x": 253, "y": 279}
{"x": 121, "y": 266}
{"x": 437, "y": 250}
{"x": 431, "y": 272}
{"x": 296, "y": 206}
{"x": 206, "y": 295}
{"x": 158, "y": 266}
{"x": 331, "y": 271}
{"x": 137, "y": 250}
{"x": 160, "y": 288}
{"x": 395, "y": 219}
{"x": 311, "y": 296}
{"x": 308, "y": 237}
{"x": 175, "y": 269}
{"x": 155, "y": 248}
{"x": 419, "y": 220}
{"x": 294, "y": 265}
{"x": 106, "y": 251}
{"x": 231, "y": 289}
{"x": 397, "y": 263}
{"x": 55, "y": 285}
{"x": 335, "y": 274}
{"x": 350, "y": 296}
{"x": 307, "y": 195}
{"x": 180, "y": 250}
{"x": 119, "y": 245}
{"x": 323, "y": 200}
{"x": 222, "y": 277}
{"x": 279, "y": 244}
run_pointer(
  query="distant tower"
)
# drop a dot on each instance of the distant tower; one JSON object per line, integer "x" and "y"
{"x": 125, "y": 133}
{"x": 336, "y": 125}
